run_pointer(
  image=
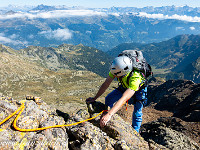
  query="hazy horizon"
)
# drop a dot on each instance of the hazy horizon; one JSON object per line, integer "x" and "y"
{"x": 103, "y": 3}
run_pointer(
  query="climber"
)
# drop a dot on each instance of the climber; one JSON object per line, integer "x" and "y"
{"x": 131, "y": 87}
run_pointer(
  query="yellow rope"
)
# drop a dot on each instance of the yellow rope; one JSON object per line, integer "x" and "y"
{"x": 11, "y": 115}
{"x": 21, "y": 109}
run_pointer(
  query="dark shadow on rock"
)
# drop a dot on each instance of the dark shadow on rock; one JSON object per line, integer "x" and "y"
{"x": 96, "y": 107}
{"x": 62, "y": 114}
{"x": 178, "y": 96}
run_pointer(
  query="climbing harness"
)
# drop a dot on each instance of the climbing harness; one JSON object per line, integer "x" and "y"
{"x": 21, "y": 109}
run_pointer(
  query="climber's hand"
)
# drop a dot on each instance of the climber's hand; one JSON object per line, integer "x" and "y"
{"x": 104, "y": 119}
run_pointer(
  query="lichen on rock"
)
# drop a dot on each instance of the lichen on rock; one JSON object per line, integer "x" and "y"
{"x": 34, "y": 116}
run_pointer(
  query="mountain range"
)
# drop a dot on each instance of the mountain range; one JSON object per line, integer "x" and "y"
{"x": 177, "y": 58}
{"x": 166, "y": 10}
{"x": 71, "y": 57}
{"x": 51, "y": 26}
{"x": 179, "y": 55}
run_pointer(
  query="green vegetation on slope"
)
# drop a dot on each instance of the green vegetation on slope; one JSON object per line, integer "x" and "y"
{"x": 69, "y": 57}
{"x": 66, "y": 89}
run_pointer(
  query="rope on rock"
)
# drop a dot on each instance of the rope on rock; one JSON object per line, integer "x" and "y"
{"x": 21, "y": 109}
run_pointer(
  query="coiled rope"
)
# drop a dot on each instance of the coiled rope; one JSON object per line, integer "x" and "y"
{"x": 21, "y": 109}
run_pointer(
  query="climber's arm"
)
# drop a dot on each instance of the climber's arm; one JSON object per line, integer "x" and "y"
{"x": 126, "y": 96}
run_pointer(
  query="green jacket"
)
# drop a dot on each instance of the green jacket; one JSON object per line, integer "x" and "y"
{"x": 135, "y": 81}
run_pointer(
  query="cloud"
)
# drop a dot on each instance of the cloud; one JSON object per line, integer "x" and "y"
{"x": 84, "y": 12}
{"x": 30, "y": 36}
{"x": 175, "y": 16}
{"x": 180, "y": 28}
{"x": 6, "y": 40}
{"x": 52, "y": 14}
{"x": 59, "y": 34}
{"x": 14, "y": 36}
{"x": 115, "y": 14}
{"x": 192, "y": 28}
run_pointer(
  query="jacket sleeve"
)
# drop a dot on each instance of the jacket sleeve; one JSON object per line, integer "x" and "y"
{"x": 111, "y": 75}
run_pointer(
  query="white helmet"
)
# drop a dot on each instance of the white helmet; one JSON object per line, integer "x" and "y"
{"x": 121, "y": 66}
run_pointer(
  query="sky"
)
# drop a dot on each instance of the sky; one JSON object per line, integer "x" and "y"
{"x": 103, "y": 3}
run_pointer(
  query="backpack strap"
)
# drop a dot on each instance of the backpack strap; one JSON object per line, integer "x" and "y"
{"x": 121, "y": 82}
{"x": 130, "y": 75}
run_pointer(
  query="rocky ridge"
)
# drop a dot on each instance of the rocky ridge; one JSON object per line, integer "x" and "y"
{"x": 178, "y": 96}
{"x": 168, "y": 132}
{"x": 88, "y": 135}
{"x": 164, "y": 133}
